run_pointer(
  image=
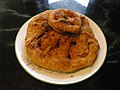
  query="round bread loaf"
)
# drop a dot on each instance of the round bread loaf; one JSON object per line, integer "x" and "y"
{"x": 65, "y": 52}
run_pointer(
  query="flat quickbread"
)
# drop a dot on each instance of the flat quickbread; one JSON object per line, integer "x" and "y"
{"x": 62, "y": 52}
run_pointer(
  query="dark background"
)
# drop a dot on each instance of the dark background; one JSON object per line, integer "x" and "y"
{"x": 14, "y": 13}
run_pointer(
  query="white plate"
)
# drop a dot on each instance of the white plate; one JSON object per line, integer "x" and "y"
{"x": 60, "y": 78}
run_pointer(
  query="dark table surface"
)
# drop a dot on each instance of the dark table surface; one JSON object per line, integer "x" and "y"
{"x": 14, "y": 13}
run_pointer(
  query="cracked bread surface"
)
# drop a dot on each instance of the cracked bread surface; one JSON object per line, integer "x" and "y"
{"x": 61, "y": 52}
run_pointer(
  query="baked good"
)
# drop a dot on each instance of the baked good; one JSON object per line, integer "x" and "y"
{"x": 65, "y": 51}
{"x": 63, "y": 20}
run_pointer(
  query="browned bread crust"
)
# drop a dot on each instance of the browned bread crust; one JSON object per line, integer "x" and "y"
{"x": 63, "y": 52}
{"x": 63, "y": 20}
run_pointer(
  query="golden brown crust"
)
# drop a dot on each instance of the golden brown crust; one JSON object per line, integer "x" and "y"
{"x": 63, "y": 20}
{"x": 62, "y": 52}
